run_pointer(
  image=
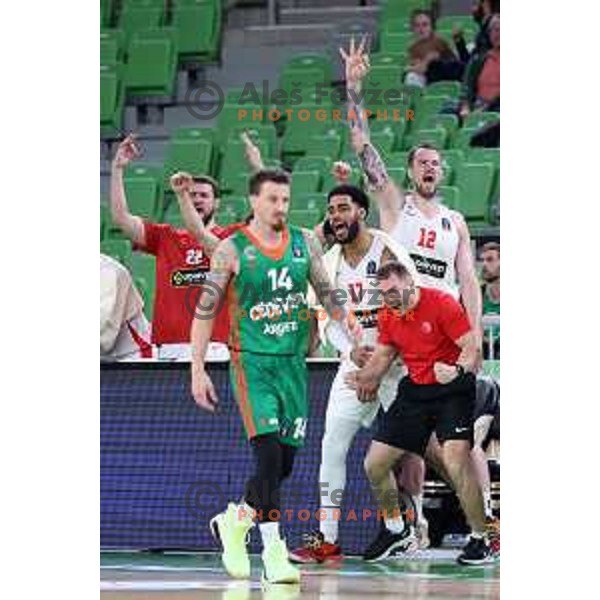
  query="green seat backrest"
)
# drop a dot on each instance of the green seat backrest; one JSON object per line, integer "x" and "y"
{"x": 450, "y": 196}
{"x": 475, "y": 184}
{"x": 443, "y": 88}
{"x": 328, "y": 143}
{"x": 477, "y": 119}
{"x": 143, "y": 187}
{"x": 304, "y": 218}
{"x": 196, "y": 28}
{"x": 320, "y": 164}
{"x": 305, "y": 182}
{"x": 193, "y": 156}
{"x": 139, "y": 18}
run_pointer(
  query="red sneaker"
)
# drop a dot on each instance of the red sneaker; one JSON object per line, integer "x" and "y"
{"x": 493, "y": 530}
{"x": 315, "y": 550}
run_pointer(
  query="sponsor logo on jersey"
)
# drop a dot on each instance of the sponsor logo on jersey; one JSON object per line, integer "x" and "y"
{"x": 430, "y": 266}
{"x": 280, "y": 329}
{"x": 367, "y": 319}
{"x": 298, "y": 253}
{"x": 371, "y": 268}
{"x": 446, "y": 224}
{"x": 186, "y": 277}
{"x": 426, "y": 327}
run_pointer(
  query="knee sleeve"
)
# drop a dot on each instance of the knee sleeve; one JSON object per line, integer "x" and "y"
{"x": 288, "y": 453}
{"x": 262, "y": 490}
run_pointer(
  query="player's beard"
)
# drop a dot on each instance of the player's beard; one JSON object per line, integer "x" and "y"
{"x": 353, "y": 230}
{"x": 206, "y": 218}
{"x": 490, "y": 278}
{"x": 428, "y": 194}
{"x": 279, "y": 225}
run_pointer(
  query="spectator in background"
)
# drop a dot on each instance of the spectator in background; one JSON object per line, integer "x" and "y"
{"x": 481, "y": 89}
{"x": 430, "y": 58}
{"x": 490, "y": 293}
{"x": 124, "y": 329}
{"x": 181, "y": 262}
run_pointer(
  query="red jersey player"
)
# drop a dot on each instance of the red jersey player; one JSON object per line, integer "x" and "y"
{"x": 181, "y": 262}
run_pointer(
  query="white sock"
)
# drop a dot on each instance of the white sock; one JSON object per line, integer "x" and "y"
{"x": 487, "y": 503}
{"x": 269, "y": 532}
{"x": 329, "y": 526}
{"x": 395, "y": 525}
{"x": 418, "y": 500}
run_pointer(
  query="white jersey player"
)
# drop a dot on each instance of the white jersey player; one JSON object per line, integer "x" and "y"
{"x": 436, "y": 237}
{"x": 352, "y": 265}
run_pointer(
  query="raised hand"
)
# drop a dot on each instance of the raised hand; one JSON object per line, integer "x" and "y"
{"x": 181, "y": 182}
{"x": 341, "y": 171}
{"x": 253, "y": 155}
{"x": 126, "y": 152}
{"x": 356, "y": 62}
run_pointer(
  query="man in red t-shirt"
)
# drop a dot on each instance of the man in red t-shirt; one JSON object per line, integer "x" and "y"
{"x": 181, "y": 262}
{"x": 430, "y": 331}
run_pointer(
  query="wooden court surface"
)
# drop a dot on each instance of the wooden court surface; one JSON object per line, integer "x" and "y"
{"x": 430, "y": 574}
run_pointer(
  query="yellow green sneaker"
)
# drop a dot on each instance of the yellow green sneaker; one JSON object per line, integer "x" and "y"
{"x": 231, "y": 528}
{"x": 277, "y": 566}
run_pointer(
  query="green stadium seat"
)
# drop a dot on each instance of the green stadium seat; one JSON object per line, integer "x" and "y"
{"x": 328, "y": 143}
{"x": 428, "y": 106}
{"x": 396, "y": 42}
{"x": 304, "y": 218}
{"x": 316, "y": 202}
{"x": 112, "y": 99}
{"x": 444, "y": 88}
{"x": 234, "y": 163}
{"x": 236, "y": 184}
{"x": 398, "y": 160}
{"x": 227, "y": 216}
{"x": 297, "y": 132}
{"x": 119, "y": 249}
{"x": 302, "y": 79}
{"x": 396, "y": 59}
{"x": 398, "y": 9}
{"x": 310, "y": 61}
{"x": 265, "y": 136}
{"x": 384, "y": 141}
{"x": 448, "y": 122}
{"x": 320, "y": 164}
{"x": 111, "y": 46}
{"x": 383, "y": 77}
{"x": 437, "y": 137}
{"x": 230, "y": 118}
{"x": 305, "y": 182}
{"x": 399, "y": 175}
{"x": 198, "y": 28}
{"x": 462, "y": 139}
{"x": 192, "y": 155}
{"x": 105, "y": 12}
{"x": 240, "y": 205}
{"x": 475, "y": 185}
{"x": 143, "y": 187}
{"x": 450, "y": 196}
{"x": 152, "y": 64}
{"x": 193, "y": 133}
{"x": 451, "y": 162}
{"x": 484, "y": 155}
{"x": 135, "y": 19}
{"x": 477, "y": 119}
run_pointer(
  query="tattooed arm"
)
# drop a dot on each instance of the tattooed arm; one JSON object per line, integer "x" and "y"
{"x": 348, "y": 330}
{"x": 389, "y": 196}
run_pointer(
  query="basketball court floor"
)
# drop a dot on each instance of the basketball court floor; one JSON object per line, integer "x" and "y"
{"x": 431, "y": 574}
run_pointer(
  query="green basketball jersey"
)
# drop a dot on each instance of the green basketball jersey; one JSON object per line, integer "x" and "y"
{"x": 267, "y": 300}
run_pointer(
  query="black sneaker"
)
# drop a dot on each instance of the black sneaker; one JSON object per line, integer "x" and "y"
{"x": 387, "y": 542}
{"x": 476, "y": 552}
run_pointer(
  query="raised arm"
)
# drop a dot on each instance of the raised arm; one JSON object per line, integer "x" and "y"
{"x": 131, "y": 225}
{"x": 223, "y": 266}
{"x": 181, "y": 184}
{"x": 388, "y": 195}
{"x": 253, "y": 155}
{"x": 470, "y": 292}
